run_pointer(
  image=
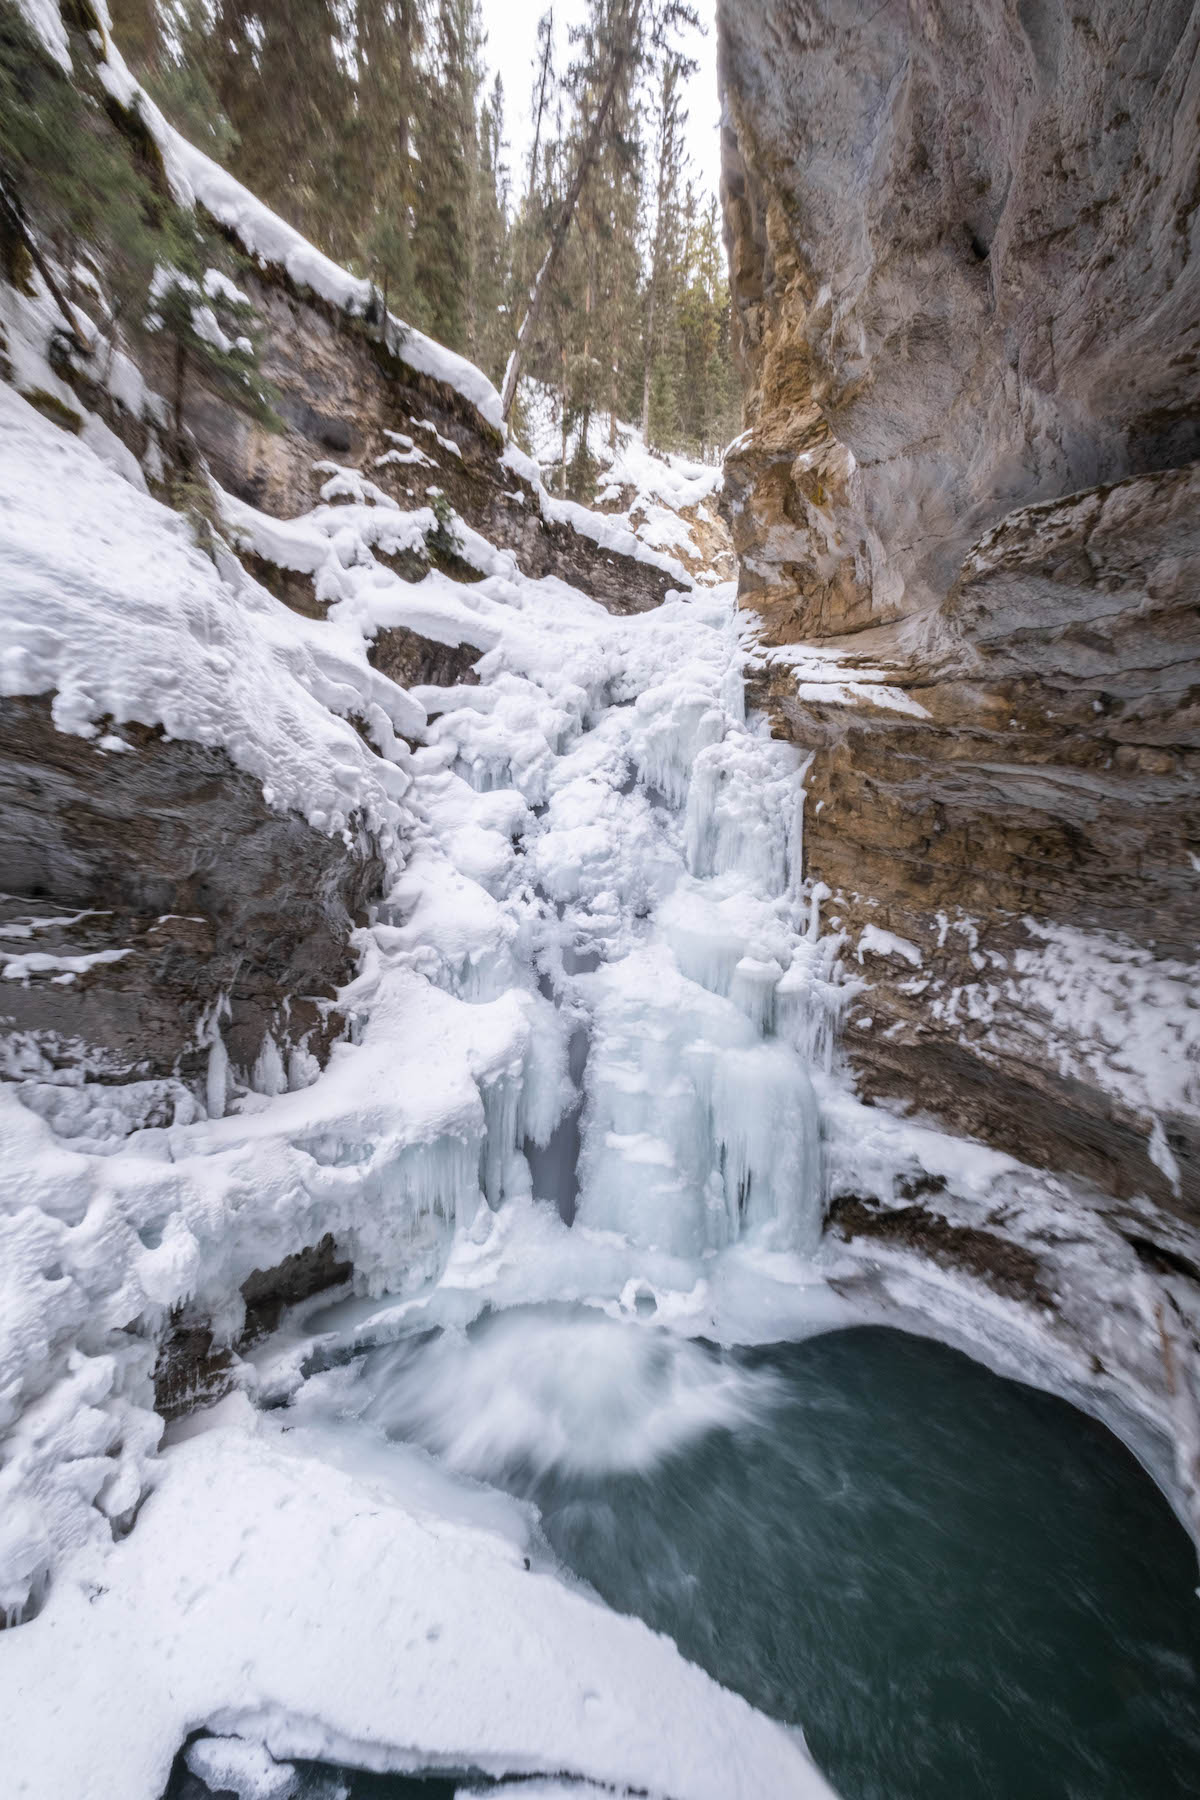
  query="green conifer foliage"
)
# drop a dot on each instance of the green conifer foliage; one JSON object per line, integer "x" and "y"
{"x": 76, "y": 183}
{"x": 209, "y": 321}
{"x": 372, "y": 126}
{"x": 390, "y": 42}
{"x": 443, "y": 240}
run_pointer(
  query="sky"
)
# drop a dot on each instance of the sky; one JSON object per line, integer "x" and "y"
{"x": 511, "y": 26}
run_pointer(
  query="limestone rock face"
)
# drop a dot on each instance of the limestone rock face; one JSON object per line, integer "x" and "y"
{"x": 964, "y": 248}
{"x": 190, "y": 905}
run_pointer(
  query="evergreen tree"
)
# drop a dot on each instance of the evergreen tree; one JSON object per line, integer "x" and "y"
{"x": 711, "y": 412}
{"x": 208, "y": 321}
{"x": 444, "y": 232}
{"x": 492, "y": 282}
{"x": 613, "y": 47}
{"x": 75, "y": 178}
{"x": 660, "y": 350}
{"x": 284, "y": 81}
{"x": 390, "y": 41}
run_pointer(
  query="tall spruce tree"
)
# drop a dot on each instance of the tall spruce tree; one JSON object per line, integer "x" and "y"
{"x": 369, "y": 123}
{"x": 443, "y": 240}
{"x": 660, "y": 344}
{"x": 492, "y": 281}
{"x": 389, "y": 40}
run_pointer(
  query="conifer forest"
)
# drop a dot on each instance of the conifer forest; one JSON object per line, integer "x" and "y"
{"x": 376, "y": 128}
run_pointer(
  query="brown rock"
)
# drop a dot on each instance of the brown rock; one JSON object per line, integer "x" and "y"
{"x": 962, "y": 243}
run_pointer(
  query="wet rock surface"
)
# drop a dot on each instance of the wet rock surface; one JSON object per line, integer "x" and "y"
{"x": 962, "y": 253}
{"x": 194, "y": 1369}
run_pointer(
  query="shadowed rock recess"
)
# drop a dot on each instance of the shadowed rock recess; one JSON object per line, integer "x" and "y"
{"x": 963, "y": 242}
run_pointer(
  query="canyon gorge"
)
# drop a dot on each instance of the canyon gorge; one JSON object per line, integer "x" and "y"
{"x": 522, "y": 1019}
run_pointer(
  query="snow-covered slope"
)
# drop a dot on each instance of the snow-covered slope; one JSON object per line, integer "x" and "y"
{"x": 666, "y": 502}
{"x": 533, "y": 830}
{"x": 538, "y": 827}
{"x": 121, "y": 616}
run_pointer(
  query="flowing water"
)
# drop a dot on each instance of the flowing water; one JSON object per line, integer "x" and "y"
{"x": 957, "y": 1585}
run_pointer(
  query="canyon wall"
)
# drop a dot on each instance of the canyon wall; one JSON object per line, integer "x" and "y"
{"x": 963, "y": 247}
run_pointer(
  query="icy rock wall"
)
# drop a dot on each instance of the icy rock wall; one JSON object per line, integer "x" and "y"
{"x": 963, "y": 255}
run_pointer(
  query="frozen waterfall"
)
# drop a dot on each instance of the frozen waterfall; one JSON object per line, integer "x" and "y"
{"x": 673, "y": 993}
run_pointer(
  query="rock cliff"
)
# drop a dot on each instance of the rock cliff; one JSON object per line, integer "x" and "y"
{"x": 963, "y": 243}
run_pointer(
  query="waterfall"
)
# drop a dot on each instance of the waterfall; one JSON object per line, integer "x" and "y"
{"x": 655, "y": 925}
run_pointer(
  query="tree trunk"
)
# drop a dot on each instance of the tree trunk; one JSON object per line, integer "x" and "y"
{"x": 563, "y": 417}
{"x": 180, "y": 380}
{"x": 558, "y": 236}
{"x": 649, "y": 363}
{"x": 16, "y": 218}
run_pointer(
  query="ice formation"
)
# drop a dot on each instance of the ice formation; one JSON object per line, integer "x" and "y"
{"x": 591, "y": 1032}
{"x": 573, "y": 997}
{"x": 593, "y": 840}
{"x": 592, "y": 848}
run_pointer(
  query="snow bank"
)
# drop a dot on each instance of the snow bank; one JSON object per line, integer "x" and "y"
{"x": 660, "y": 489}
{"x": 111, "y": 608}
{"x": 275, "y": 1598}
{"x": 829, "y": 677}
{"x": 45, "y": 17}
{"x": 1100, "y": 1010}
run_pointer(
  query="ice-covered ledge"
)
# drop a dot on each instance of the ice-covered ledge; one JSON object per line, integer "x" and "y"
{"x": 360, "y": 1616}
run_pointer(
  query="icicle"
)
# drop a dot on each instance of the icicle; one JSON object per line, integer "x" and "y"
{"x": 217, "y": 1078}
{"x": 268, "y": 1075}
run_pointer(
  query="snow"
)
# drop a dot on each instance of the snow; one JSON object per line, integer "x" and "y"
{"x": 196, "y": 179}
{"x": 426, "y": 1641}
{"x": 1100, "y": 1009}
{"x": 60, "y": 968}
{"x": 676, "y": 481}
{"x": 45, "y": 17}
{"x": 829, "y": 677}
{"x": 239, "y": 1766}
{"x": 611, "y": 531}
{"x": 216, "y": 663}
{"x": 874, "y": 941}
{"x": 664, "y": 489}
{"x": 593, "y": 921}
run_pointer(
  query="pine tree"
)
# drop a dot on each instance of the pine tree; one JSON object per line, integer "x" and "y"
{"x": 390, "y": 40}
{"x": 660, "y": 346}
{"x": 492, "y": 245}
{"x": 443, "y": 241}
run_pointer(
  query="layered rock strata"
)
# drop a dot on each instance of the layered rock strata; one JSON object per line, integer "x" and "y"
{"x": 963, "y": 248}
{"x": 344, "y": 396}
{"x": 154, "y": 897}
